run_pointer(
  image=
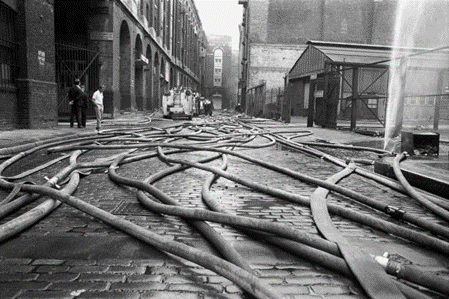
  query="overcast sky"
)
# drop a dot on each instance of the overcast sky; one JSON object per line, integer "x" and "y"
{"x": 221, "y": 17}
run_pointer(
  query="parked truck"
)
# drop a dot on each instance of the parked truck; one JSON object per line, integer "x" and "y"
{"x": 179, "y": 103}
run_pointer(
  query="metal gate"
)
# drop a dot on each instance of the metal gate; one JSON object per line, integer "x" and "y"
{"x": 75, "y": 62}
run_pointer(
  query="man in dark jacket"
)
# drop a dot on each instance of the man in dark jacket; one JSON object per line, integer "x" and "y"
{"x": 83, "y": 100}
{"x": 72, "y": 96}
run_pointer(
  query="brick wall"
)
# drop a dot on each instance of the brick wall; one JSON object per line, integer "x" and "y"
{"x": 293, "y": 21}
{"x": 258, "y": 21}
{"x": 8, "y": 107}
{"x": 37, "y": 102}
{"x": 383, "y": 22}
{"x": 348, "y": 21}
{"x": 270, "y": 63}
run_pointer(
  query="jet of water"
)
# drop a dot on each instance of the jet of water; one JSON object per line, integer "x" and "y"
{"x": 409, "y": 16}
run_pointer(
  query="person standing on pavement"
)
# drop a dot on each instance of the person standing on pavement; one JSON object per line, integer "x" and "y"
{"x": 72, "y": 96}
{"x": 97, "y": 100}
{"x": 208, "y": 107}
{"x": 83, "y": 100}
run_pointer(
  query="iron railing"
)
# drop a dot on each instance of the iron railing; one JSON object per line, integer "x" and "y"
{"x": 263, "y": 102}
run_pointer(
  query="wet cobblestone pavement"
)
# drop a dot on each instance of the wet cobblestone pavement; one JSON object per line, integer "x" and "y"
{"x": 72, "y": 255}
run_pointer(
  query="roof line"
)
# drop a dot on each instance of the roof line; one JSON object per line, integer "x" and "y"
{"x": 360, "y": 46}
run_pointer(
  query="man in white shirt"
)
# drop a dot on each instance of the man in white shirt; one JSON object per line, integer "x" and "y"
{"x": 97, "y": 100}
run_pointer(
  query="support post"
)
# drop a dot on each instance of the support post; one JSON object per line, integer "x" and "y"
{"x": 440, "y": 89}
{"x": 355, "y": 95}
{"x": 311, "y": 110}
{"x": 327, "y": 111}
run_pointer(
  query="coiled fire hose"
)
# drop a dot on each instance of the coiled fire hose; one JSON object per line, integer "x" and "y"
{"x": 440, "y": 212}
{"x": 300, "y": 250}
{"x": 369, "y": 274}
{"x": 435, "y": 282}
{"x": 388, "y": 209}
{"x": 360, "y": 171}
{"x": 223, "y": 247}
{"x": 27, "y": 219}
{"x": 244, "y": 279}
{"x": 334, "y": 262}
{"x": 382, "y": 225}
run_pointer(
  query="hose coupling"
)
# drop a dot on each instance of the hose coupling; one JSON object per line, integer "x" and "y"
{"x": 53, "y": 182}
{"x": 394, "y": 268}
{"x": 394, "y": 212}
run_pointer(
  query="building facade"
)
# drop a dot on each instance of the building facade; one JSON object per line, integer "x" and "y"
{"x": 137, "y": 48}
{"x": 219, "y": 80}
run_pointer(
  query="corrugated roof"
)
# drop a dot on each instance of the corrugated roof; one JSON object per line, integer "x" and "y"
{"x": 313, "y": 58}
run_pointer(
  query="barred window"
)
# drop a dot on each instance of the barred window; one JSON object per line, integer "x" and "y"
{"x": 8, "y": 48}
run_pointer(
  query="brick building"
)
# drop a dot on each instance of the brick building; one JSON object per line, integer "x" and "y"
{"x": 219, "y": 82}
{"x": 136, "y": 48}
{"x": 274, "y": 32}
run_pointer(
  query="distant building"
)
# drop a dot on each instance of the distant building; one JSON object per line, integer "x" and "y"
{"x": 274, "y": 32}
{"x": 137, "y": 48}
{"x": 219, "y": 79}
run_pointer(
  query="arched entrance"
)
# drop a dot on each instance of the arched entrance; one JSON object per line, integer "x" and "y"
{"x": 138, "y": 73}
{"x": 148, "y": 79}
{"x": 125, "y": 67}
{"x": 217, "y": 99}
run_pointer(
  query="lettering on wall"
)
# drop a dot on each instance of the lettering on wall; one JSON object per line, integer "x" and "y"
{"x": 100, "y": 35}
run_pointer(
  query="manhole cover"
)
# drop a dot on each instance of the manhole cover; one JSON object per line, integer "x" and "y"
{"x": 131, "y": 208}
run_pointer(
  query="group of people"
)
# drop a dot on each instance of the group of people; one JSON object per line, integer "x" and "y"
{"x": 208, "y": 107}
{"x": 78, "y": 101}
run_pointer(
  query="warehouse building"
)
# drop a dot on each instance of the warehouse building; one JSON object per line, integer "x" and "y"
{"x": 137, "y": 48}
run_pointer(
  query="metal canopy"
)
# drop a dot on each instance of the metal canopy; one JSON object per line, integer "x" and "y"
{"x": 317, "y": 54}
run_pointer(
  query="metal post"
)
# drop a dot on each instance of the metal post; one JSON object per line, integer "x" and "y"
{"x": 287, "y": 107}
{"x": 311, "y": 110}
{"x": 355, "y": 95}
{"x": 440, "y": 89}
{"x": 327, "y": 111}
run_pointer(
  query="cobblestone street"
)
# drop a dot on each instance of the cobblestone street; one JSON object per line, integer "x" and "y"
{"x": 72, "y": 255}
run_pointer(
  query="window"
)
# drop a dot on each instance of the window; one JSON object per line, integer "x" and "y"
{"x": 8, "y": 48}
{"x": 218, "y": 57}
{"x": 372, "y": 103}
